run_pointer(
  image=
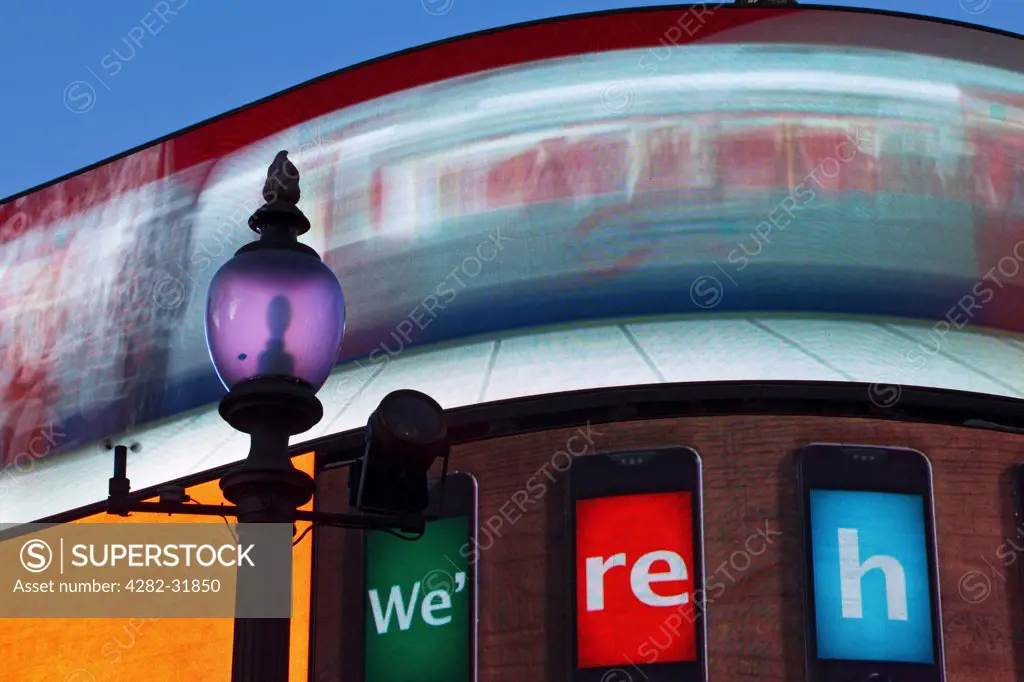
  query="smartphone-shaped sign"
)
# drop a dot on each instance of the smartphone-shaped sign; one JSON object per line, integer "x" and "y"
{"x": 1018, "y": 503}
{"x": 637, "y": 567}
{"x": 871, "y": 584}
{"x": 1010, "y": 551}
{"x": 420, "y": 595}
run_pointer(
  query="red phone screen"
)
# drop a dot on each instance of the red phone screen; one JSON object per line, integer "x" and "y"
{"x": 634, "y": 579}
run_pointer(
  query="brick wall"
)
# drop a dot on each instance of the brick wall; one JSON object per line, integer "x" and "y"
{"x": 755, "y": 626}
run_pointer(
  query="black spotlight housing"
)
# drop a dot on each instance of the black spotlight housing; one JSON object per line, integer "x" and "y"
{"x": 405, "y": 435}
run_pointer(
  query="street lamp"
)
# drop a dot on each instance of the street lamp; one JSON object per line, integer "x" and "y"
{"x": 275, "y": 317}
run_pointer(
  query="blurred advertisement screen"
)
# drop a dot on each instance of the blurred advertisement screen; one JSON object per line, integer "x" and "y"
{"x": 574, "y": 170}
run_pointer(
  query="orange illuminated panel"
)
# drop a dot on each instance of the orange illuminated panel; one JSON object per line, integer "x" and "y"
{"x": 155, "y": 650}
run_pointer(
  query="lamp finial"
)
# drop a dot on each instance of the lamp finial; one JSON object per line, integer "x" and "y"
{"x": 282, "y": 181}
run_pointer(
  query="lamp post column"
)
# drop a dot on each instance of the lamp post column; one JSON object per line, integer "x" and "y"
{"x": 261, "y": 646}
{"x": 267, "y": 489}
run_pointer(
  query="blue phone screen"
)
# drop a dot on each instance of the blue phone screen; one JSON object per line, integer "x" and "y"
{"x": 871, "y": 579}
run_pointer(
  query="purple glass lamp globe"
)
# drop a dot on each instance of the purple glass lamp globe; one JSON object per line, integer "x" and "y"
{"x": 274, "y": 313}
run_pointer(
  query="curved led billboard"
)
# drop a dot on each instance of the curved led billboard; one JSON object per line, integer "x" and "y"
{"x": 642, "y": 163}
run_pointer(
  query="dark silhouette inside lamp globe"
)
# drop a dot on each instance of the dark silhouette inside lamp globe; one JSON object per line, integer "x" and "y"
{"x": 275, "y": 359}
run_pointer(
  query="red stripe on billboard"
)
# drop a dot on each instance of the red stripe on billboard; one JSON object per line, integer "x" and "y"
{"x": 459, "y": 57}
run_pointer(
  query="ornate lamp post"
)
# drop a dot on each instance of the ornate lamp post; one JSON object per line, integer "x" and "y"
{"x": 275, "y": 317}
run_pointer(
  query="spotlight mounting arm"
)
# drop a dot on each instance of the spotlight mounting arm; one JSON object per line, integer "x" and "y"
{"x": 121, "y": 503}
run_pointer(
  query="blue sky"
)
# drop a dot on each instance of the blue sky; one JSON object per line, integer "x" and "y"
{"x": 210, "y": 57}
